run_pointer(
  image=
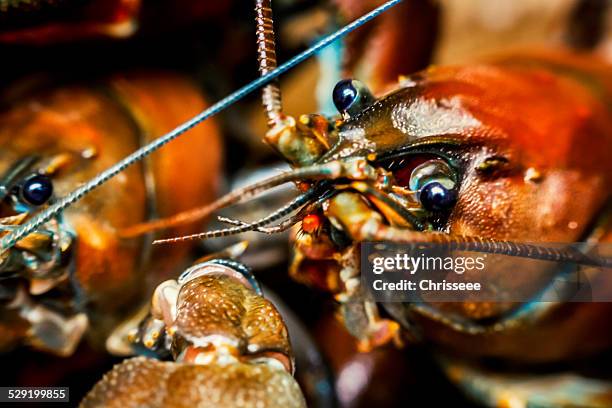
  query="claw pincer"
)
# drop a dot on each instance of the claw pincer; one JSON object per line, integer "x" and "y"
{"x": 230, "y": 347}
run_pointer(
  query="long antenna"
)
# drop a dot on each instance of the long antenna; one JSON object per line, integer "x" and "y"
{"x": 266, "y": 57}
{"x": 37, "y": 220}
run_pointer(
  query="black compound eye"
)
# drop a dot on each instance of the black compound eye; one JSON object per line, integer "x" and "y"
{"x": 344, "y": 94}
{"x": 435, "y": 183}
{"x": 37, "y": 189}
{"x": 351, "y": 96}
{"x": 435, "y": 196}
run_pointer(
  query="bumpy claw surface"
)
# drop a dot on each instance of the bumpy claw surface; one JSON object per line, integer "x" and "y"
{"x": 219, "y": 305}
{"x": 143, "y": 382}
{"x": 230, "y": 345}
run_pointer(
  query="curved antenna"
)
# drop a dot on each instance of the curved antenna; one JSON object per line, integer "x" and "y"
{"x": 36, "y": 221}
{"x": 266, "y": 57}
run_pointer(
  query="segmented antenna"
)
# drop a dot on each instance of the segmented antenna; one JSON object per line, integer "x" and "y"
{"x": 266, "y": 56}
{"x": 276, "y": 215}
{"x": 37, "y": 220}
{"x": 323, "y": 171}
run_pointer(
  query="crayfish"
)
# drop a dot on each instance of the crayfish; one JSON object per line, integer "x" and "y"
{"x": 481, "y": 157}
{"x": 77, "y": 271}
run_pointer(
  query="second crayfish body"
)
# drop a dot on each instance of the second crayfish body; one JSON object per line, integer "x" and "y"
{"x": 79, "y": 270}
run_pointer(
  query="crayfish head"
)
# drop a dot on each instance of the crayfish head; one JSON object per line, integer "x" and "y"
{"x": 26, "y": 185}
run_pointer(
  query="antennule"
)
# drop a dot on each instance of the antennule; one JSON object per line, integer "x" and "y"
{"x": 266, "y": 56}
{"x": 328, "y": 170}
{"x": 296, "y": 203}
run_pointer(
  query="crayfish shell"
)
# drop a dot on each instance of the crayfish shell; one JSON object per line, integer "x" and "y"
{"x": 143, "y": 382}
